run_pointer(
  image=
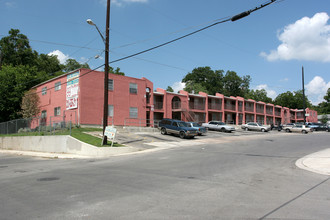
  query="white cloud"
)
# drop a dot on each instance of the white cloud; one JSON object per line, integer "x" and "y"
{"x": 306, "y": 39}
{"x": 177, "y": 86}
{"x": 60, "y": 56}
{"x": 316, "y": 89}
{"x": 284, "y": 80}
{"x": 270, "y": 93}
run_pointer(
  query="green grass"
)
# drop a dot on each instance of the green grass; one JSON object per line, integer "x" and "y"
{"x": 77, "y": 133}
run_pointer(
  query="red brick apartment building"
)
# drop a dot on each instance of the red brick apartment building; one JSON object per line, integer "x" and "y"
{"x": 78, "y": 97}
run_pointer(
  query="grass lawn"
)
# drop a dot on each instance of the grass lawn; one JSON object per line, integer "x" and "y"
{"x": 77, "y": 133}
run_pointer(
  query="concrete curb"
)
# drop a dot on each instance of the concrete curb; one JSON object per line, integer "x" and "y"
{"x": 318, "y": 162}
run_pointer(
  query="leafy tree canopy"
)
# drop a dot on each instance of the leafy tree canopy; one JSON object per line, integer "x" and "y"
{"x": 72, "y": 64}
{"x": 292, "y": 100}
{"x": 116, "y": 71}
{"x": 259, "y": 95}
{"x": 169, "y": 89}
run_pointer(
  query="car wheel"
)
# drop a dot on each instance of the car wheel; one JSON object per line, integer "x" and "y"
{"x": 182, "y": 135}
{"x": 287, "y": 130}
{"x": 246, "y": 129}
{"x": 263, "y": 130}
{"x": 304, "y": 132}
{"x": 223, "y": 129}
{"x": 163, "y": 131}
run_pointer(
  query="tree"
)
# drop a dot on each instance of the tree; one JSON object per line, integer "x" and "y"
{"x": 30, "y": 104}
{"x": 292, "y": 100}
{"x": 15, "y": 50}
{"x": 259, "y": 95}
{"x": 116, "y": 71}
{"x": 72, "y": 64}
{"x": 169, "y": 89}
{"x": 234, "y": 85}
{"x": 324, "y": 119}
{"x": 14, "y": 81}
{"x": 204, "y": 79}
{"x": 324, "y": 107}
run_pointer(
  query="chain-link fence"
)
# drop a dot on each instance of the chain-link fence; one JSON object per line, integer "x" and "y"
{"x": 38, "y": 125}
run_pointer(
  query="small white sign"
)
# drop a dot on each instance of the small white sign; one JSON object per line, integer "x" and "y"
{"x": 307, "y": 115}
{"x": 110, "y": 132}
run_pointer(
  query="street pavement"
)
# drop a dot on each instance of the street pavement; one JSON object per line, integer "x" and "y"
{"x": 218, "y": 176}
{"x": 317, "y": 162}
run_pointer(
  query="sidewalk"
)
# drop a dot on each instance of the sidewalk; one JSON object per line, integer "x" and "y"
{"x": 318, "y": 162}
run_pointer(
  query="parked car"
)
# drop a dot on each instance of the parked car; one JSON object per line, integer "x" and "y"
{"x": 323, "y": 127}
{"x": 176, "y": 127}
{"x": 252, "y": 126}
{"x": 289, "y": 125}
{"x": 200, "y": 129}
{"x": 218, "y": 126}
{"x": 314, "y": 126}
{"x": 299, "y": 128}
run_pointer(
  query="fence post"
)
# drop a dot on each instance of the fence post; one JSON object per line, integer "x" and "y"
{"x": 70, "y": 127}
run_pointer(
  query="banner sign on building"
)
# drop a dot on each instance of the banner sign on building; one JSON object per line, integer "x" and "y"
{"x": 72, "y": 88}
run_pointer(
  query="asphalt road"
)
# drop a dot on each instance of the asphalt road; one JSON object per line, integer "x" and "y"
{"x": 248, "y": 178}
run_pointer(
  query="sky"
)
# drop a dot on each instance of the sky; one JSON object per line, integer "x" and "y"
{"x": 271, "y": 44}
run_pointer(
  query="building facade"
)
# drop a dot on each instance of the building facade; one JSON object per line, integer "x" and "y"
{"x": 78, "y": 96}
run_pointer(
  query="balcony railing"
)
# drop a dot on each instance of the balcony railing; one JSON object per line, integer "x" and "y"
{"x": 249, "y": 109}
{"x": 260, "y": 110}
{"x": 230, "y": 107}
{"x": 215, "y": 106}
{"x": 176, "y": 105}
{"x": 277, "y": 113}
{"x": 158, "y": 105}
{"x": 197, "y": 106}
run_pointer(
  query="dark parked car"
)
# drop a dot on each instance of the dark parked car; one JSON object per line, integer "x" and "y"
{"x": 176, "y": 127}
{"x": 314, "y": 126}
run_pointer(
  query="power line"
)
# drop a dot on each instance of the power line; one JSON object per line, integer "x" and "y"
{"x": 233, "y": 18}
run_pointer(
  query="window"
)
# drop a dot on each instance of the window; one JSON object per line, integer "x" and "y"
{"x": 44, "y": 114}
{"x": 133, "y": 88}
{"x": 57, "y": 86}
{"x": 44, "y": 91}
{"x": 110, "y": 110}
{"x": 133, "y": 112}
{"x": 57, "y": 111}
{"x": 110, "y": 84}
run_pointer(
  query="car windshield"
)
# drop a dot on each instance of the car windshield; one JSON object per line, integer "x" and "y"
{"x": 194, "y": 124}
{"x": 222, "y": 123}
{"x": 258, "y": 124}
{"x": 183, "y": 124}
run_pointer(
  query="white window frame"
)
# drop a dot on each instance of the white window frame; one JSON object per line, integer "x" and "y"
{"x": 133, "y": 112}
{"x": 133, "y": 88}
{"x": 44, "y": 114}
{"x": 110, "y": 110}
{"x": 57, "y": 111}
{"x": 58, "y": 86}
{"x": 110, "y": 84}
{"x": 44, "y": 90}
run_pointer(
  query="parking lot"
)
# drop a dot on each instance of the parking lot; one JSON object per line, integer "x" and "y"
{"x": 145, "y": 139}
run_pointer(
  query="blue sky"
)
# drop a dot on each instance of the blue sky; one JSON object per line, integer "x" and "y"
{"x": 271, "y": 45}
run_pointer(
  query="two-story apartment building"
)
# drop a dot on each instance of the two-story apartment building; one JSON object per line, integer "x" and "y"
{"x": 78, "y": 96}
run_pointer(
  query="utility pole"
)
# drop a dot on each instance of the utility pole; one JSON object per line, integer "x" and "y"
{"x": 106, "y": 73}
{"x": 304, "y": 101}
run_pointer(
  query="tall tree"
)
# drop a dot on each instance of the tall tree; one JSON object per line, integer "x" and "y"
{"x": 72, "y": 64}
{"x": 116, "y": 71}
{"x": 16, "y": 50}
{"x": 324, "y": 107}
{"x": 204, "y": 79}
{"x": 234, "y": 85}
{"x": 259, "y": 95}
{"x": 169, "y": 89}
{"x": 292, "y": 100}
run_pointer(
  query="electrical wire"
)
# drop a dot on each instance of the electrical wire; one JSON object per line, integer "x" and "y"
{"x": 233, "y": 18}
